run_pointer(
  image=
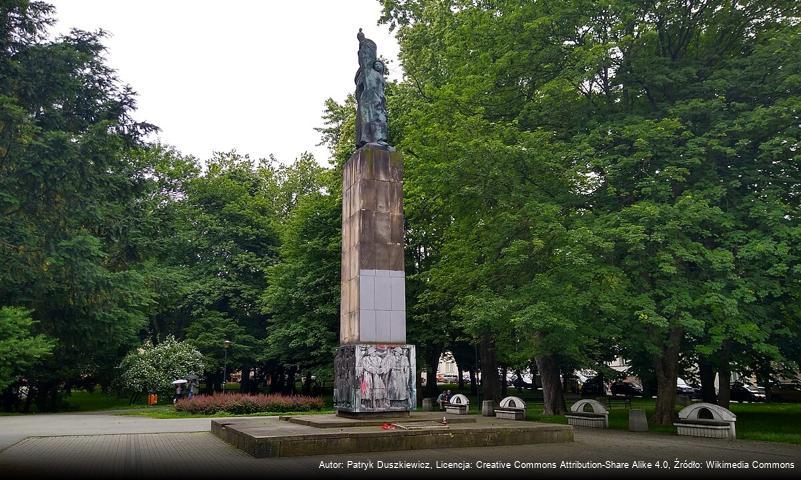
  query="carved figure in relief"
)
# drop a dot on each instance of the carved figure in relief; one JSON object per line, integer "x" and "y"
{"x": 373, "y": 389}
{"x": 344, "y": 366}
{"x": 397, "y": 367}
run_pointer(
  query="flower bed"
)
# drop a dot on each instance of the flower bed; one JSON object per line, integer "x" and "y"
{"x": 238, "y": 403}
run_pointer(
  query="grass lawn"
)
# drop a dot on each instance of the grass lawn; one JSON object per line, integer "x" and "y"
{"x": 770, "y": 422}
{"x": 84, "y": 401}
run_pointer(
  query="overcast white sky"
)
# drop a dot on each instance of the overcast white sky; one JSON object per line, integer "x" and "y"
{"x": 237, "y": 74}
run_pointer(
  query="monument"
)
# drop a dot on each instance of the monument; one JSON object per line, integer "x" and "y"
{"x": 374, "y": 368}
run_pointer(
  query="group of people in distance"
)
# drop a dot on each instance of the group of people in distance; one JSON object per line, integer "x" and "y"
{"x": 188, "y": 389}
{"x": 443, "y": 399}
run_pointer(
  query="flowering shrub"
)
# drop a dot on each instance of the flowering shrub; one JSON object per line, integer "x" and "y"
{"x": 154, "y": 367}
{"x": 238, "y": 403}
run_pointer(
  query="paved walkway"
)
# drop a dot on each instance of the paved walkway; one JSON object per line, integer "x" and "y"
{"x": 14, "y": 428}
{"x": 105, "y": 445}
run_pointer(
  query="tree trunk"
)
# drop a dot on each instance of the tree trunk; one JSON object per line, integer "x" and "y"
{"x": 432, "y": 361}
{"x": 667, "y": 372}
{"x": 244, "y": 382}
{"x": 9, "y": 398}
{"x": 290, "y": 380}
{"x": 460, "y": 372}
{"x": 707, "y": 373}
{"x": 307, "y": 383}
{"x": 763, "y": 378}
{"x": 724, "y": 384}
{"x": 277, "y": 380}
{"x": 419, "y": 381}
{"x": 473, "y": 386}
{"x": 553, "y": 396}
{"x": 504, "y": 382}
{"x": 490, "y": 387}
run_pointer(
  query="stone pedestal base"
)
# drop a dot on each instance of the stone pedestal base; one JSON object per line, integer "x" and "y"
{"x": 456, "y": 409}
{"x": 373, "y": 415}
{"x": 510, "y": 413}
{"x": 592, "y": 420}
{"x": 374, "y": 378}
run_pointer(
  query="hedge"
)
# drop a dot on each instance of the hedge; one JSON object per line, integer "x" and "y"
{"x": 238, "y": 403}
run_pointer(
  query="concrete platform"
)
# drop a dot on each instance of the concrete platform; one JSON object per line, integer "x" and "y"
{"x": 328, "y": 434}
{"x": 336, "y": 421}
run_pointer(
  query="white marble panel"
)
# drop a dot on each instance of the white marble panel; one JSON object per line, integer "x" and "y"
{"x": 367, "y": 324}
{"x": 382, "y": 273}
{"x": 366, "y": 292}
{"x": 383, "y": 293}
{"x": 382, "y": 326}
{"x": 398, "y": 287}
{"x": 397, "y": 327}
{"x": 367, "y": 273}
{"x": 397, "y": 273}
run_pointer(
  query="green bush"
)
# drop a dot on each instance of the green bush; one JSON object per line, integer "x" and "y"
{"x": 239, "y": 404}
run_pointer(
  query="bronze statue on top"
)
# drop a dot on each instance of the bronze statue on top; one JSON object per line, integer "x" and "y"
{"x": 371, "y": 109}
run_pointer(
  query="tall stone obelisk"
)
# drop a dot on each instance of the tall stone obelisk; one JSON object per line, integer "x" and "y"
{"x": 374, "y": 367}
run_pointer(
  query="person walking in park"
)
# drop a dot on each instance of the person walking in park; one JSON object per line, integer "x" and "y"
{"x": 179, "y": 392}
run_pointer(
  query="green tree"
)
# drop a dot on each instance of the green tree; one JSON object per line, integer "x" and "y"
{"x": 692, "y": 154}
{"x": 629, "y": 156}
{"x": 226, "y": 224}
{"x": 67, "y": 186}
{"x": 302, "y": 297}
{"x": 20, "y": 350}
{"x": 508, "y": 256}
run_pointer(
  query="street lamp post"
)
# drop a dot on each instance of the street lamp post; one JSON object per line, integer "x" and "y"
{"x": 226, "y": 344}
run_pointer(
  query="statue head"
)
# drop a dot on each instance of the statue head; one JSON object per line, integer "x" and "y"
{"x": 368, "y": 51}
{"x": 397, "y": 351}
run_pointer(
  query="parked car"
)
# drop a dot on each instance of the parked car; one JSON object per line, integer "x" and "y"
{"x": 450, "y": 378}
{"x": 624, "y": 388}
{"x": 743, "y": 392}
{"x": 595, "y": 386}
{"x": 521, "y": 381}
{"x": 684, "y": 388}
{"x": 786, "y": 392}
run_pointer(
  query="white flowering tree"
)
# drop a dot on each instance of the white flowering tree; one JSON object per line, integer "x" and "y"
{"x": 154, "y": 368}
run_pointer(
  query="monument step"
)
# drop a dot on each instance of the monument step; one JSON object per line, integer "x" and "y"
{"x": 271, "y": 437}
